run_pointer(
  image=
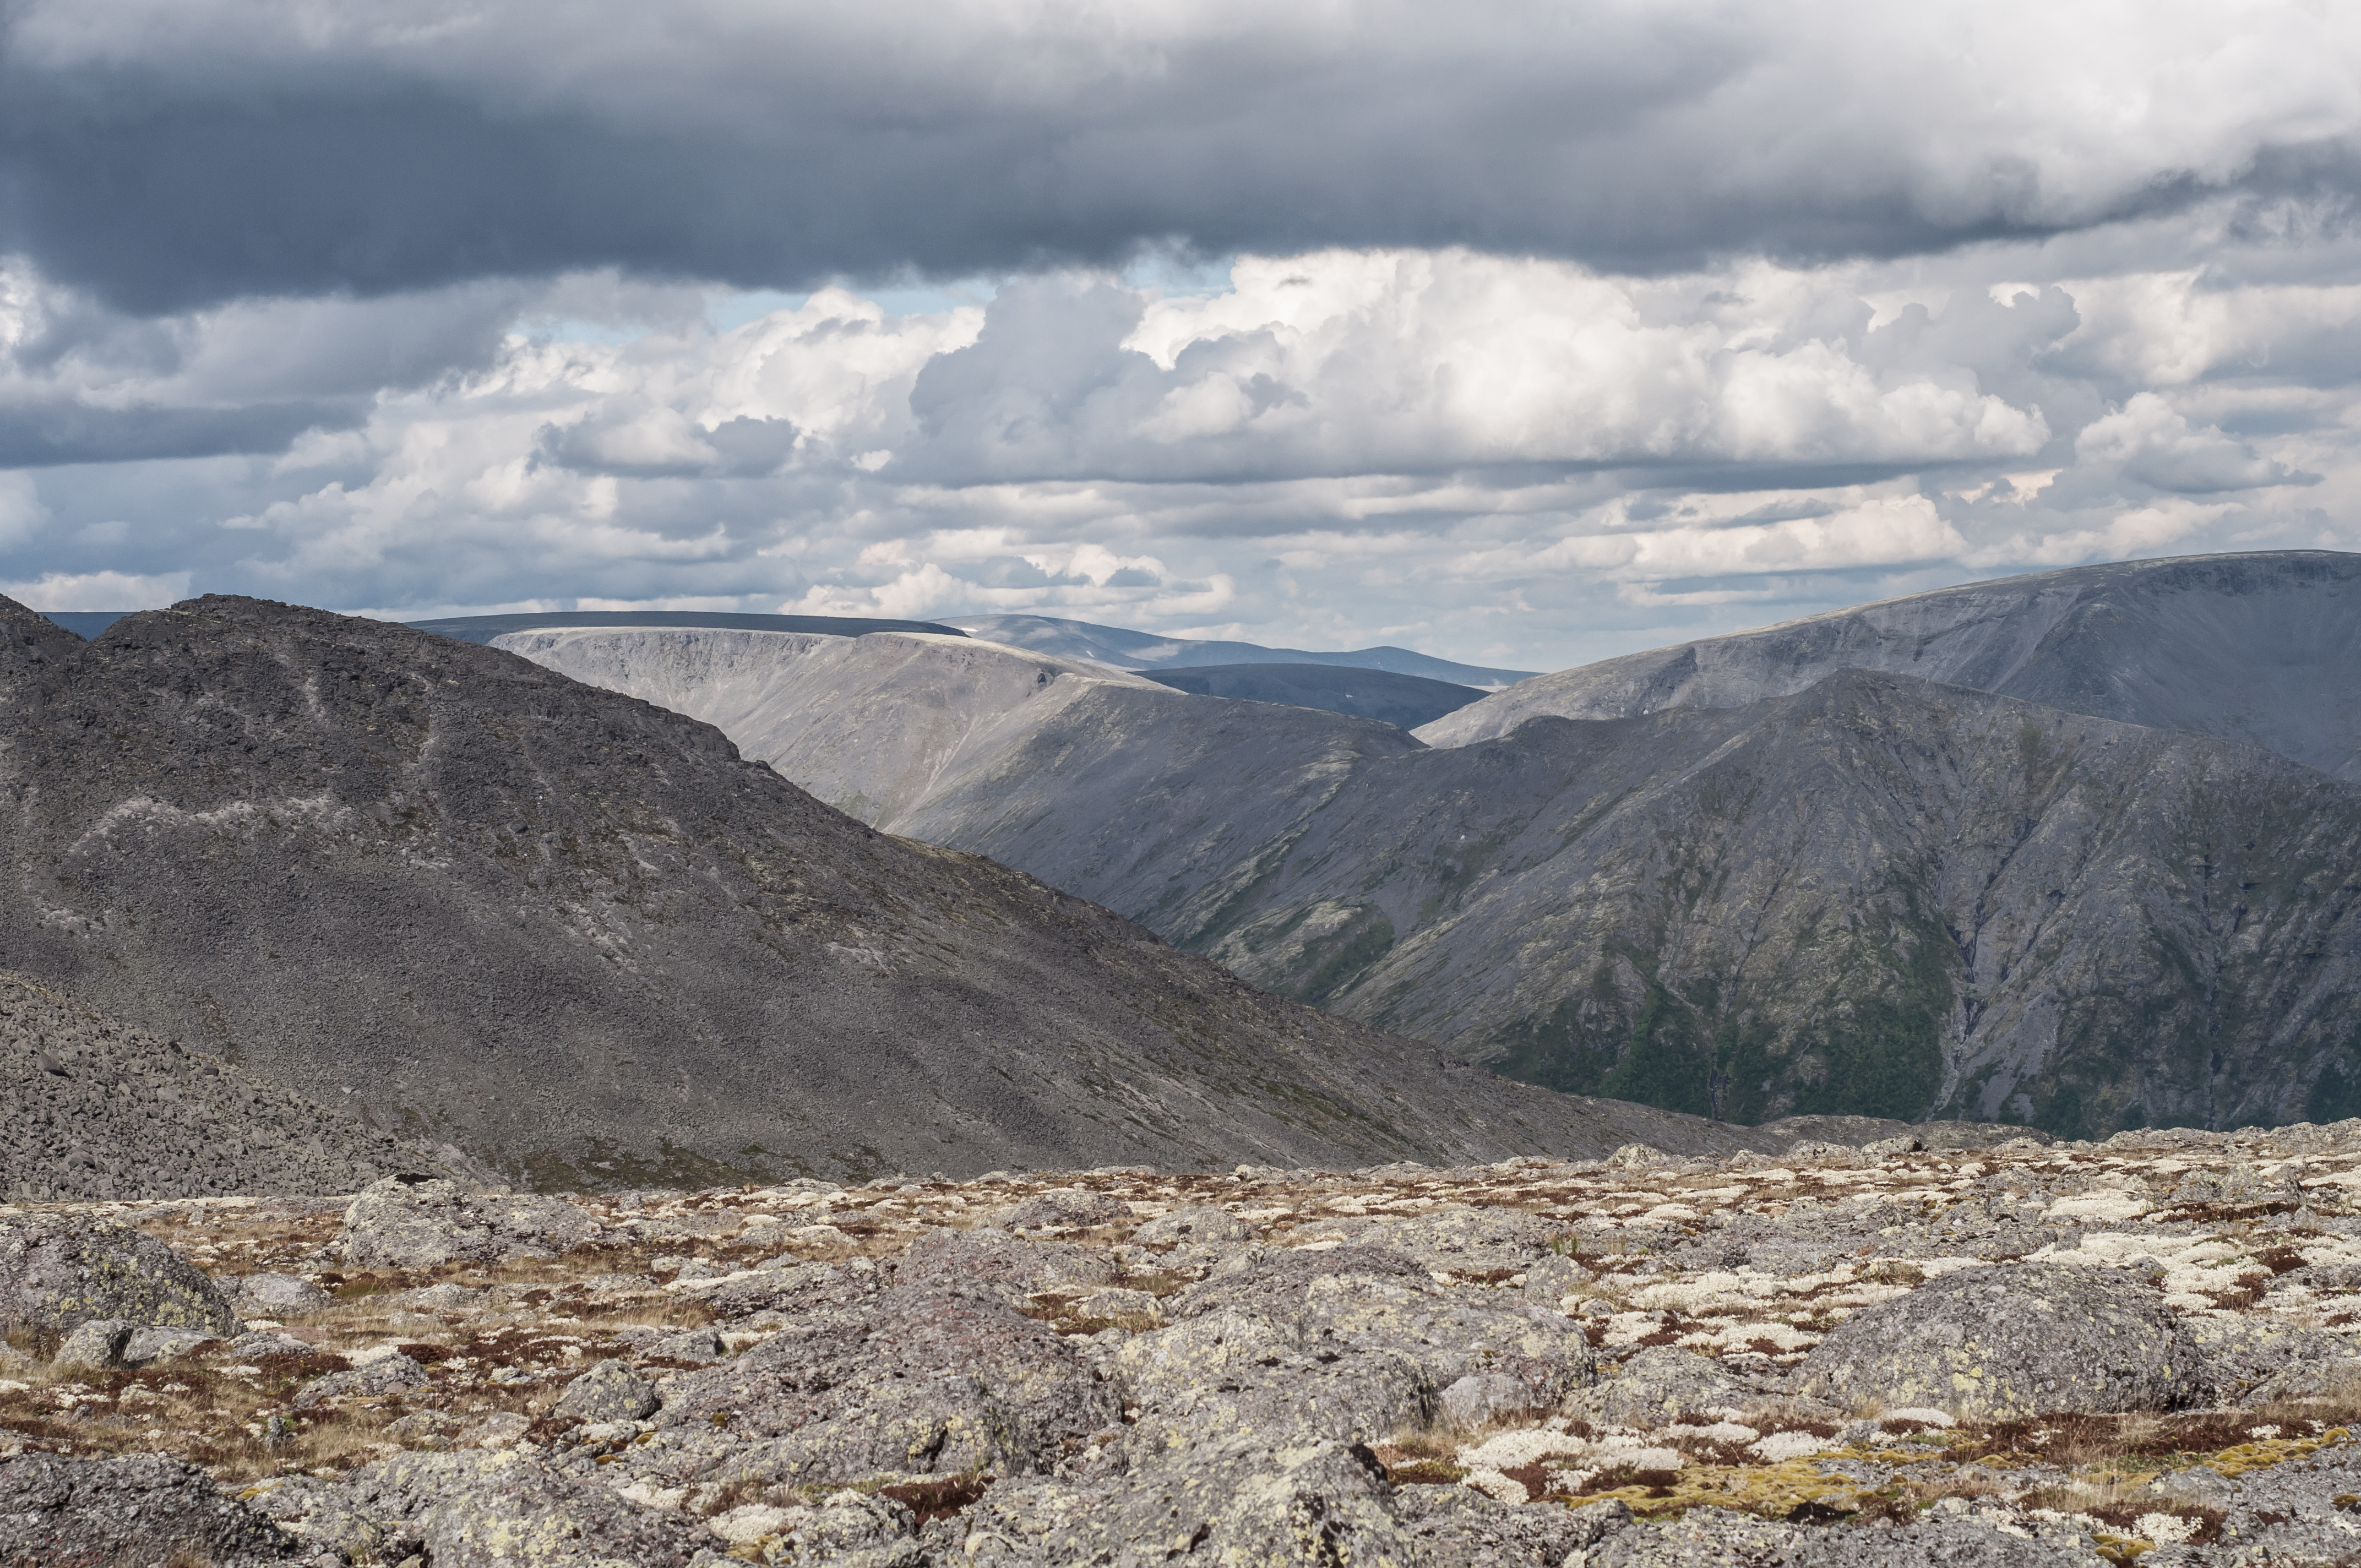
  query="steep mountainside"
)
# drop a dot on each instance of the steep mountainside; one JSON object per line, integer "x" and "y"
{"x": 469, "y": 899}
{"x": 96, "y": 1109}
{"x": 1143, "y": 650}
{"x": 2264, "y": 648}
{"x": 1081, "y": 775}
{"x": 1879, "y": 895}
{"x": 1405, "y": 700}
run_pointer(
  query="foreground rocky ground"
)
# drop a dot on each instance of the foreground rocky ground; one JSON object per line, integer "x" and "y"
{"x": 2020, "y": 1354}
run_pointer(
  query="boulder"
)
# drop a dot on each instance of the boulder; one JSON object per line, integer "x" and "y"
{"x": 402, "y": 1223}
{"x": 1062, "y": 1208}
{"x": 57, "y": 1271}
{"x": 475, "y": 1508}
{"x": 1246, "y": 1376}
{"x": 95, "y": 1343}
{"x": 699, "y": 1345}
{"x": 2001, "y": 1341}
{"x": 147, "y": 1346}
{"x": 922, "y": 1379}
{"x": 386, "y": 1375}
{"x": 278, "y": 1297}
{"x": 2248, "y": 1356}
{"x": 610, "y": 1391}
{"x": 1461, "y": 1526}
{"x": 994, "y": 1259}
{"x": 1659, "y": 1383}
{"x": 854, "y": 1530}
{"x": 104, "y": 1513}
{"x": 1192, "y": 1225}
{"x": 1462, "y": 1239}
{"x": 1241, "y": 1501}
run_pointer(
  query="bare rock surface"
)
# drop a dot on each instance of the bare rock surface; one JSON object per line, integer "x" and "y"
{"x": 108, "y": 1513}
{"x": 806, "y": 1374}
{"x": 2002, "y": 1340}
{"x": 415, "y": 1224}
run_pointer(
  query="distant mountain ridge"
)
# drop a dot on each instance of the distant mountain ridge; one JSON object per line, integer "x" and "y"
{"x": 1407, "y": 701}
{"x": 2264, "y": 648}
{"x": 1143, "y": 650}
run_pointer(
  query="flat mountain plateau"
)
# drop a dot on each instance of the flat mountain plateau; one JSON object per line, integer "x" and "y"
{"x": 464, "y": 900}
{"x": 2020, "y": 1354}
{"x": 1141, "y": 651}
{"x": 1759, "y": 881}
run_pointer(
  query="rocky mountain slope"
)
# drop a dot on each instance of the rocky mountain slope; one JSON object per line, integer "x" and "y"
{"x": 1125, "y": 650}
{"x": 1878, "y": 896}
{"x": 96, "y": 1109}
{"x": 2020, "y": 1355}
{"x": 471, "y": 901}
{"x": 2263, "y": 648}
{"x": 1407, "y": 701}
{"x": 486, "y": 627}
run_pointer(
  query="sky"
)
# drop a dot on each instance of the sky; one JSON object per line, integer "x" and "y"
{"x": 1518, "y": 332}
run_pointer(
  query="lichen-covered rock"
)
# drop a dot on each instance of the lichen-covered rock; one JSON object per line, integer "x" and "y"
{"x": 95, "y": 1343}
{"x": 1458, "y": 1526}
{"x": 476, "y": 1510}
{"x": 610, "y": 1391}
{"x": 1236, "y": 1502}
{"x": 2243, "y": 1355}
{"x": 853, "y": 1529}
{"x": 408, "y": 1223}
{"x": 1461, "y": 1239}
{"x": 2010, "y": 1340}
{"x": 1234, "y": 1374}
{"x": 385, "y": 1374}
{"x": 995, "y": 1259}
{"x": 148, "y": 1346}
{"x": 1660, "y": 1383}
{"x": 1714, "y": 1538}
{"x": 110, "y": 1513}
{"x": 924, "y": 1379}
{"x": 57, "y": 1271}
{"x": 277, "y": 1296}
{"x": 1192, "y": 1225}
{"x": 1064, "y": 1208}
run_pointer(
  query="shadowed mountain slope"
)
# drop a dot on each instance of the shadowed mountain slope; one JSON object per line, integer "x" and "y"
{"x": 578, "y": 934}
{"x": 2264, "y": 648}
{"x": 1878, "y": 896}
{"x": 1143, "y": 650}
{"x": 486, "y": 628}
{"x": 1407, "y": 701}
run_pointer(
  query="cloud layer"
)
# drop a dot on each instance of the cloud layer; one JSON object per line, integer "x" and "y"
{"x": 1531, "y": 334}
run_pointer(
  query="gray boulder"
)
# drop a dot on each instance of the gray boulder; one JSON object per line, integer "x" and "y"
{"x": 1714, "y": 1538}
{"x": 994, "y": 1259}
{"x": 103, "y": 1513}
{"x": 1462, "y": 1239}
{"x": 1241, "y": 1502}
{"x": 2011, "y": 1340}
{"x": 923, "y": 1379}
{"x": 147, "y": 1346}
{"x": 610, "y": 1391}
{"x": 386, "y": 1375}
{"x": 1462, "y": 1528}
{"x": 473, "y": 1508}
{"x": 406, "y": 1223}
{"x": 857, "y": 1529}
{"x": 278, "y": 1297}
{"x": 700, "y": 1345}
{"x": 95, "y": 1343}
{"x": 1192, "y": 1225}
{"x": 1064, "y": 1208}
{"x": 1659, "y": 1383}
{"x": 2250, "y": 1356}
{"x": 1237, "y": 1375}
{"x": 57, "y": 1271}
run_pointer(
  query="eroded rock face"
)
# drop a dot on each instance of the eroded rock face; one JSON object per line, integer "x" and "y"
{"x": 416, "y": 1225}
{"x": 497, "y": 1511}
{"x": 104, "y": 1513}
{"x": 59, "y": 1272}
{"x": 2013, "y": 1340}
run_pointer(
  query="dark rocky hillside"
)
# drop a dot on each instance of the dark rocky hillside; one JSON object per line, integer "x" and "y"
{"x": 2264, "y": 648}
{"x": 96, "y": 1109}
{"x": 472, "y": 901}
{"x": 1879, "y": 895}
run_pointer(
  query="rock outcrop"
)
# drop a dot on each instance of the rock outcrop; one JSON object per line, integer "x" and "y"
{"x": 58, "y": 1271}
{"x": 416, "y": 1225}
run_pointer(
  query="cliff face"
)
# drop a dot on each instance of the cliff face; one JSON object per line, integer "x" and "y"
{"x": 465, "y": 898}
{"x": 2263, "y": 648}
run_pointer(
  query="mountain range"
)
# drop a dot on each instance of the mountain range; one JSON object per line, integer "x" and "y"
{"x": 2077, "y": 850}
{"x": 435, "y": 889}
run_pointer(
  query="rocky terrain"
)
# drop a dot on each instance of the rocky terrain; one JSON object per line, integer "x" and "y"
{"x": 2011, "y": 1354}
{"x": 95, "y": 1110}
{"x": 465, "y": 901}
{"x": 2263, "y": 648}
{"x": 488, "y": 627}
{"x": 1125, "y": 650}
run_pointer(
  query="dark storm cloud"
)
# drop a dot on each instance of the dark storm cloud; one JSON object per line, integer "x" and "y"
{"x": 170, "y": 158}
